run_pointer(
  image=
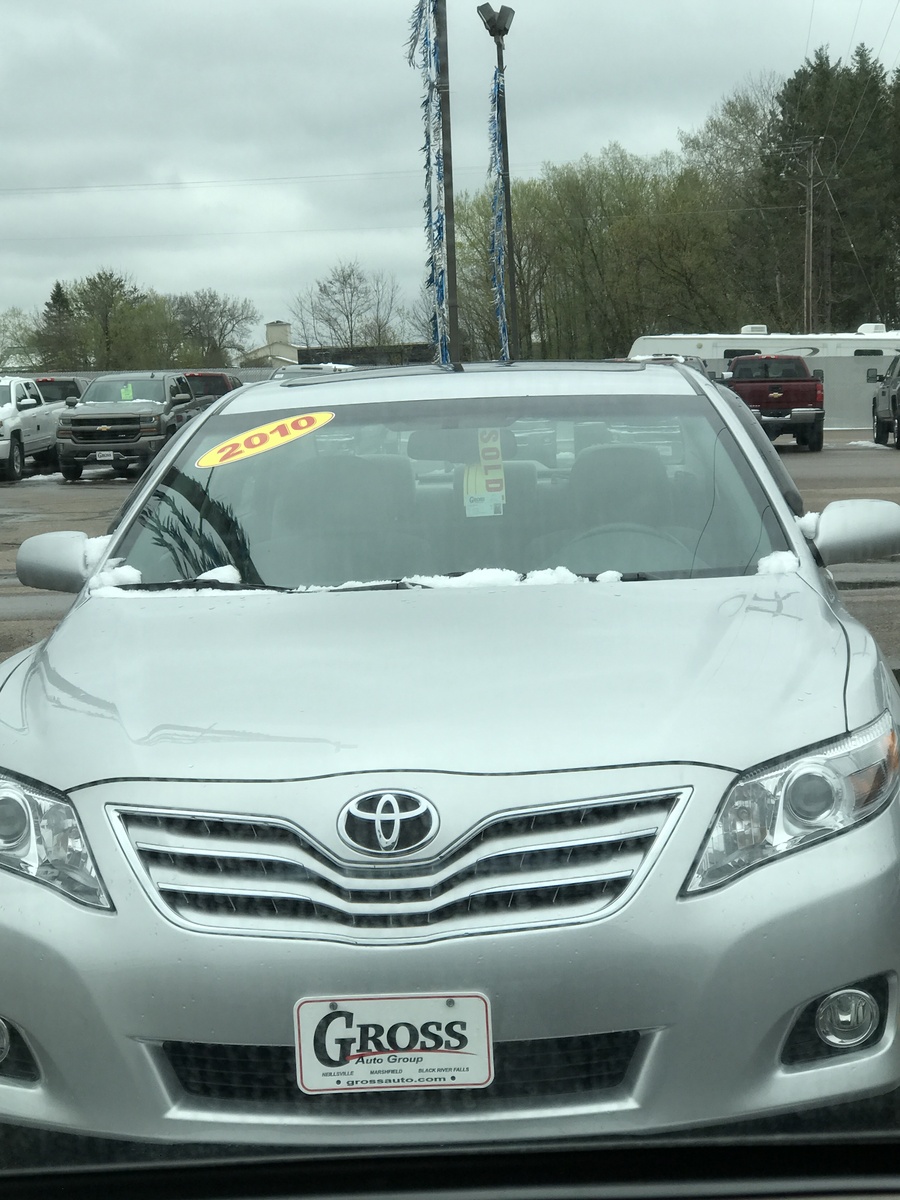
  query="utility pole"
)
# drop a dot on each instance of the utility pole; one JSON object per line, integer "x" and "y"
{"x": 497, "y": 24}
{"x": 808, "y": 256}
{"x": 807, "y": 148}
{"x": 443, "y": 86}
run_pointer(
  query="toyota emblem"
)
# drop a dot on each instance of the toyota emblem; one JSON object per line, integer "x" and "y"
{"x": 388, "y": 822}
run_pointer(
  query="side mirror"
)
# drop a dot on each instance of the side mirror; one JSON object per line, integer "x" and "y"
{"x": 874, "y": 376}
{"x": 27, "y": 403}
{"x": 71, "y": 401}
{"x": 818, "y": 373}
{"x": 857, "y": 531}
{"x": 181, "y": 397}
{"x": 56, "y": 562}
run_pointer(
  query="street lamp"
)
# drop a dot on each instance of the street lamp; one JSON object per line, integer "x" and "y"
{"x": 497, "y": 24}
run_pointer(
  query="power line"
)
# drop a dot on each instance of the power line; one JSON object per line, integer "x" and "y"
{"x": 180, "y": 185}
{"x": 812, "y": 9}
{"x": 863, "y": 96}
{"x": 837, "y": 90}
{"x": 225, "y": 233}
{"x": 852, "y": 247}
{"x": 236, "y": 233}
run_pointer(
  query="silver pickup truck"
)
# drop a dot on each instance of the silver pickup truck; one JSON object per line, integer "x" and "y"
{"x": 27, "y": 426}
{"x": 123, "y": 419}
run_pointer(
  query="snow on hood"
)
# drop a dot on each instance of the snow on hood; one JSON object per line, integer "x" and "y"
{"x": 498, "y": 577}
{"x": 266, "y": 685}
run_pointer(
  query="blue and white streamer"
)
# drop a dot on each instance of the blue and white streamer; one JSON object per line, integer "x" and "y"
{"x": 423, "y": 37}
{"x": 498, "y": 217}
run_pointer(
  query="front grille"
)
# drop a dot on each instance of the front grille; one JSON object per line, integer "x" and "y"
{"x": 548, "y": 1068}
{"x": 517, "y": 869}
{"x": 118, "y": 429}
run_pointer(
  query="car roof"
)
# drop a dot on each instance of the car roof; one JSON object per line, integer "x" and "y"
{"x": 471, "y": 380}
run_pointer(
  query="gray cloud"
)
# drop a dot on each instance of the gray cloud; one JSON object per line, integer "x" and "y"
{"x": 311, "y": 114}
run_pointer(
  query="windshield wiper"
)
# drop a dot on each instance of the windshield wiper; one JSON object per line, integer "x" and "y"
{"x": 624, "y": 576}
{"x": 202, "y": 585}
{"x": 380, "y": 585}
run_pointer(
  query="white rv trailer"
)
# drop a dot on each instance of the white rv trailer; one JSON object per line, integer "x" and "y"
{"x": 843, "y": 358}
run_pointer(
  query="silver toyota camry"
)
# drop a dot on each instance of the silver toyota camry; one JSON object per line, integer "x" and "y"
{"x": 434, "y": 756}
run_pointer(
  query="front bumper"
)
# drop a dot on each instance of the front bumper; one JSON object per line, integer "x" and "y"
{"x": 116, "y": 453}
{"x": 129, "y": 1015}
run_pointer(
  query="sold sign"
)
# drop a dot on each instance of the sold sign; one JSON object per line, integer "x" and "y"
{"x": 264, "y": 437}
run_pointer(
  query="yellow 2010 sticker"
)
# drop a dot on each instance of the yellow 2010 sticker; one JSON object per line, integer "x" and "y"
{"x": 264, "y": 437}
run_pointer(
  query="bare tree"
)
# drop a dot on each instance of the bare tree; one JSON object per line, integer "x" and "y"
{"x": 214, "y": 326}
{"x": 349, "y": 307}
{"x": 18, "y": 347}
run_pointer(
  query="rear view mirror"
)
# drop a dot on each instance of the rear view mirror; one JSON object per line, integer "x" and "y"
{"x": 460, "y": 445}
{"x": 818, "y": 373}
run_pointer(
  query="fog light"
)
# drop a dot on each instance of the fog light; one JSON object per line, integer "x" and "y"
{"x": 15, "y": 819}
{"x": 846, "y": 1018}
{"x": 5, "y": 1040}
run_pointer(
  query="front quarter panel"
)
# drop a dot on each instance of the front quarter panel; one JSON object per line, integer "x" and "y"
{"x": 871, "y": 687}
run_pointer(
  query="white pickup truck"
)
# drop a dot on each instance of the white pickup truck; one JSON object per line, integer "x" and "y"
{"x": 27, "y": 426}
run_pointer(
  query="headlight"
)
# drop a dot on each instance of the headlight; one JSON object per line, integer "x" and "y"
{"x": 821, "y": 793}
{"x": 40, "y": 836}
{"x": 150, "y": 425}
{"x": 64, "y": 421}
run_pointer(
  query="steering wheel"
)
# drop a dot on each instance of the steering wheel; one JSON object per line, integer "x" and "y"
{"x": 627, "y": 535}
{"x": 626, "y": 527}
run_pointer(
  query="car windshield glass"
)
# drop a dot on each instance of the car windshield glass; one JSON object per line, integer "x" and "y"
{"x": 117, "y": 391}
{"x": 54, "y": 390}
{"x": 209, "y": 385}
{"x": 647, "y": 485}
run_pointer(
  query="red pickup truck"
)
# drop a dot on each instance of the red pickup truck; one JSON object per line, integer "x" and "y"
{"x": 783, "y": 393}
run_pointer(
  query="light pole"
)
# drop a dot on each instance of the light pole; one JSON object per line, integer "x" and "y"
{"x": 443, "y": 84}
{"x": 497, "y": 24}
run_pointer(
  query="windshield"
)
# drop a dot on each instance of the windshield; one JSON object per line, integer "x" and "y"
{"x": 639, "y": 485}
{"x": 55, "y": 390}
{"x": 123, "y": 391}
{"x": 210, "y": 385}
{"x": 770, "y": 368}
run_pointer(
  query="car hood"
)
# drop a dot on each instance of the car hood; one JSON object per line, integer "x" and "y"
{"x": 220, "y": 685}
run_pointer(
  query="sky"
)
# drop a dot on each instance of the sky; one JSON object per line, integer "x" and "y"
{"x": 251, "y": 147}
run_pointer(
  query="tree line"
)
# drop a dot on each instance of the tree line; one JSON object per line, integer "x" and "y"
{"x": 107, "y": 322}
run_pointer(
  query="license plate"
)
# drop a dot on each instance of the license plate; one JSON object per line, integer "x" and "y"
{"x": 392, "y": 1043}
{"x": 105, "y": 456}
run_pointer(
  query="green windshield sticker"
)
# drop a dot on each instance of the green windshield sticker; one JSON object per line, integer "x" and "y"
{"x": 127, "y": 391}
